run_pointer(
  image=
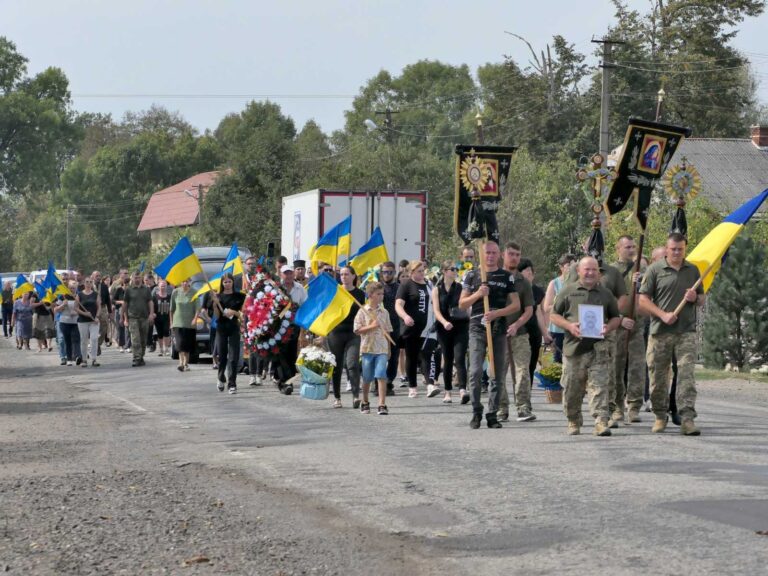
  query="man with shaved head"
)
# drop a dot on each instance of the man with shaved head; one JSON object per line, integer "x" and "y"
{"x": 587, "y": 362}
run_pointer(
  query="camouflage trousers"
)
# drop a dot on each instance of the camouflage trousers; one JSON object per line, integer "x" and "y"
{"x": 590, "y": 372}
{"x": 519, "y": 349}
{"x": 630, "y": 360}
{"x": 661, "y": 347}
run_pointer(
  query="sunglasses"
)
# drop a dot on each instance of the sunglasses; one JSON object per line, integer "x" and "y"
{"x": 388, "y": 272}
{"x": 328, "y": 270}
{"x": 453, "y": 269}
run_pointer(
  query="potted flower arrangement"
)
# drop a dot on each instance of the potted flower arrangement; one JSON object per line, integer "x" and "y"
{"x": 549, "y": 379}
{"x": 316, "y": 368}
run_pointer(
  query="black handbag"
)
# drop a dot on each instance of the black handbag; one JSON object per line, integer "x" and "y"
{"x": 458, "y": 314}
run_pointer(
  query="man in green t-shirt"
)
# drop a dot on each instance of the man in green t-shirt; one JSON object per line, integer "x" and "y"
{"x": 587, "y": 362}
{"x": 666, "y": 284}
{"x": 630, "y": 344}
{"x": 138, "y": 311}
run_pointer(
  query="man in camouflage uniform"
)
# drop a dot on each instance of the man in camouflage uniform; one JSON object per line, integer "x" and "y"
{"x": 518, "y": 344}
{"x": 586, "y": 361}
{"x": 667, "y": 283}
{"x": 610, "y": 278}
{"x": 630, "y": 344}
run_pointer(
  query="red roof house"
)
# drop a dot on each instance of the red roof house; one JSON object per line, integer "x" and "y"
{"x": 174, "y": 207}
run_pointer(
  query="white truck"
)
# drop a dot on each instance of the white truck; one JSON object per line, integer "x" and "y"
{"x": 401, "y": 215}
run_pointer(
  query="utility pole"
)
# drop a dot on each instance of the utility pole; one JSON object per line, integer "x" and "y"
{"x": 387, "y": 122}
{"x": 68, "y": 218}
{"x": 479, "y": 128}
{"x": 605, "y": 96}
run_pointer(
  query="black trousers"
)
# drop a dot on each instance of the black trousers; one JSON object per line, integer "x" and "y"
{"x": 286, "y": 360}
{"x": 394, "y": 357}
{"x": 228, "y": 346}
{"x": 412, "y": 342}
{"x": 535, "y": 341}
{"x": 7, "y": 314}
{"x": 454, "y": 344}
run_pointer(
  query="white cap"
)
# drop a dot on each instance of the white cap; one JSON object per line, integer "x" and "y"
{"x": 286, "y": 268}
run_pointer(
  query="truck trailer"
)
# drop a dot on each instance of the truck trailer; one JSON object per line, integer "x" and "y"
{"x": 401, "y": 215}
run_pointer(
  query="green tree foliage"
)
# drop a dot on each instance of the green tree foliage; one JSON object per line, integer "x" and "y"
{"x": 38, "y": 131}
{"x": 107, "y": 189}
{"x": 684, "y": 47}
{"x": 259, "y": 146}
{"x": 736, "y": 322}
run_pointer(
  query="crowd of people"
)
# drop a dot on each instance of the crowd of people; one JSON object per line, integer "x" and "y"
{"x": 457, "y": 330}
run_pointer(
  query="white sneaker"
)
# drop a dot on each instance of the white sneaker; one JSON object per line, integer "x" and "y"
{"x": 349, "y": 387}
{"x": 254, "y": 381}
{"x": 413, "y": 393}
{"x": 432, "y": 391}
{"x": 70, "y": 363}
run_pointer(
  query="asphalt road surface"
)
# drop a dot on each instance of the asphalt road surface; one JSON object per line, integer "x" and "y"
{"x": 120, "y": 470}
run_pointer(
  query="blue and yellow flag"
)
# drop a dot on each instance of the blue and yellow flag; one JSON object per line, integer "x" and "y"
{"x": 22, "y": 286}
{"x": 333, "y": 245}
{"x": 371, "y": 254}
{"x": 180, "y": 264}
{"x": 328, "y": 303}
{"x": 54, "y": 285}
{"x": 711, "y": 250}
{"x": 233, "y": 261}
{"x": 42, "y": 293}
{"x": 213, "y": 282}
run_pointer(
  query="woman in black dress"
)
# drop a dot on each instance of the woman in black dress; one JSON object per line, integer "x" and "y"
{"x": 228, "y": 314}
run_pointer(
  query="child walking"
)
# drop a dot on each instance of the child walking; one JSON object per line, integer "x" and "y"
{"x": 371, "y": 323}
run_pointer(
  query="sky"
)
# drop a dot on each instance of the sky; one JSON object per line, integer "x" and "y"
{"x": 208, "y": 58}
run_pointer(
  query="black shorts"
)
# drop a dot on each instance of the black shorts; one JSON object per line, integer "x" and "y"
{"x": 185, "y": 339}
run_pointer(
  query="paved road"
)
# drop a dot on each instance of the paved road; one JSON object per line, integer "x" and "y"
{"x": 526, "y": 499}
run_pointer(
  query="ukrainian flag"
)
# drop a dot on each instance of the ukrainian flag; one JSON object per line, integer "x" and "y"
{"x": 22, "y": 286}
{"x": 42, "y": 293}
{"x": 234, "y": 261}
{"x": 213, "y": 282}
{"x": 327, "y": 305}
{"x": 180, "y": 264}
{"x": 371, "y": 254}
{"x": 709, "y": 253}
{"x": 53, "y": 284}
{"x": 332, "y": 245}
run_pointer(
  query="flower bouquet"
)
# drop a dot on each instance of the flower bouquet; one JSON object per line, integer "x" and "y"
{"x": 316, "y": 368}
{"x": 269, "y": 313}
{"x": 549, "y": 379}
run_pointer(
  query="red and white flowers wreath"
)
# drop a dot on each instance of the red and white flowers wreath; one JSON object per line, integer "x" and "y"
{"x": 269, "y": 312}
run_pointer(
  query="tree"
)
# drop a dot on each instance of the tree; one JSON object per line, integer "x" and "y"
{"x": 38, "y": 129}
{"x": 685, "y": 48}
{"x": 736, "y": 323}
{"x": 259, "y": 145}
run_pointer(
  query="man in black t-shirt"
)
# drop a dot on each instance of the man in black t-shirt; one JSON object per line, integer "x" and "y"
{"x": 503, "y": 301}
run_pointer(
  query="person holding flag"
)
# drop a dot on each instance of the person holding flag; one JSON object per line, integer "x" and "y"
{"x": 664, "y": 285}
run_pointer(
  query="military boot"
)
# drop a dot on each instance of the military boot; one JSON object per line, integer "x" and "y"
{"x": 633, "y": 416}
{"x": 477, "y": 418}
{"x": 573, "y": 428}
{"x": 602, "y": 428}
{"x": 616, "y": 417}
{"x": 688, "y": 428}
{"x": 660, "y": 425}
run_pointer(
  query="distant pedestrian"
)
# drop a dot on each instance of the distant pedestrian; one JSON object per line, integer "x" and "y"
{"x": 228, "y": 310}
{"x": 553, "y": 289}
{"x": 118, "y": 298}
{"x": 44, "y": 330}
{"x": 101, "y": 287}
{"x": 7, "y": 308}
{"x": 344, "y": 344}
{"x": 22, "y": 320}
{"x": 371, "y": 324}
{"x": 138, "y": 311}
{"x": 184, "y": 312}
{"x": 89, "y": 306}
{"x": 162, "y": 302}
{"x": 70, "y": 335}
{"x": 452, "y": 330}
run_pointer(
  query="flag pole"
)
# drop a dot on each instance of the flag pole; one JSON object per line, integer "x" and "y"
{"x": 696, "y": 285}
{"x": 369, "y": 315}
{"x": 486, "y": 309}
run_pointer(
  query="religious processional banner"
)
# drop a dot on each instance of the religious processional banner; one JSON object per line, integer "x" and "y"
{"x": 648, "y": 149}
{"x": 481, "y": 178}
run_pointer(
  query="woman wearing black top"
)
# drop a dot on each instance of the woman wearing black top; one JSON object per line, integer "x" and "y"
{"x": 411, "y": 305}
{"x": 345, "y": 344}
{"x": 162, "y": 300}
{"x": 452, "y": 330}
{"x": 43, "y": 323}
{"x": 88, "y": 304}
{"x": 228, "y": 332}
